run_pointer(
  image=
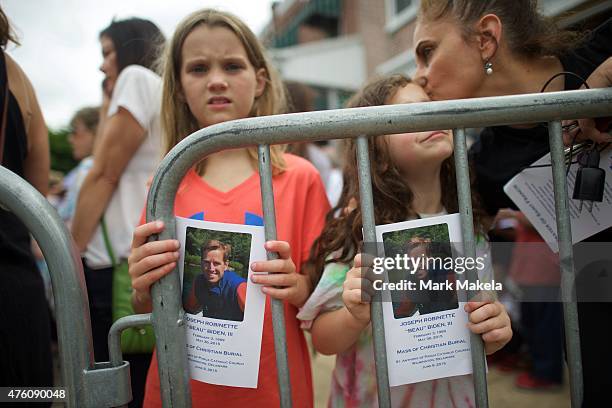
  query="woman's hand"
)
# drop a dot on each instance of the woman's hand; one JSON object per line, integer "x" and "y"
{"x": 282, "y": 281}
{"x": 491, "y": 321}
{"x": 149, "y": 262}
{"x": 578, "y": 131}
{"x": 594, "y": 129}
{"x": 358, "y": 289}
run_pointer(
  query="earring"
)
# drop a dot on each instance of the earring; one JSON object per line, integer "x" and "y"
{"x": 488, "y": 68}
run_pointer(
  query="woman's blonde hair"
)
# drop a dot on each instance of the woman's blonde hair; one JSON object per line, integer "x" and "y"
{"x": 177, "y": 120}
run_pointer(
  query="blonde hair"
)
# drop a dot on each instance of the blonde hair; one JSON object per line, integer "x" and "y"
{"x": 90, "y": 116}
{"x": 178, "y": 121}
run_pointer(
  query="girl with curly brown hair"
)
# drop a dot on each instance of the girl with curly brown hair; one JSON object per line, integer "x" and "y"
{"x": 412, "y": 177}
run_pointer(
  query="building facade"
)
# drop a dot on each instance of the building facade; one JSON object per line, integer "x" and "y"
{"x": 334, "y": 46}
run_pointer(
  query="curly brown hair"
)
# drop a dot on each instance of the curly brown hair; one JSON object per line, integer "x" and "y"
{"x": 342, "y": 233}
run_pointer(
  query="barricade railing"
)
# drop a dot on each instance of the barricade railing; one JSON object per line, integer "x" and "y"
{"x": 107, "y": 384}
{"x": 360, "y": 123}
{"x": 87, "y": 383}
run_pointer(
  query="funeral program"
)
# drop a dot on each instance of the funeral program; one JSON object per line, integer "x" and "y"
{"x": 224, "y": 309}
{"x": 424, "y": 289}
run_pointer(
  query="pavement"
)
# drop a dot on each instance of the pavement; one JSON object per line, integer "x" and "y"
{"x": 502, "y": 392}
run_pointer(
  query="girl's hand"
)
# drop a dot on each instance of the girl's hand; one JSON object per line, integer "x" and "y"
{"x": 492, "y": 322}
{"x": 149, "y": 262}
{"x": 357, "y": 291}
{"x": 283, "y": 282}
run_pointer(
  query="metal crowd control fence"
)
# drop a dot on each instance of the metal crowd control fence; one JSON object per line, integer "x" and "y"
{"x": 360, "y": 123}
{"x": 92, "y": 384}
{"x": 88, "y": 384}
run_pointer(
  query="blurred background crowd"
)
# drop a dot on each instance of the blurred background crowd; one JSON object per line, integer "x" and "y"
{"x": 324, "y": 50}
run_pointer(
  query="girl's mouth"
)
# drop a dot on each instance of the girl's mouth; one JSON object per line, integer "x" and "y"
{"x": 434, "y": 135}
{"x": 219, "y": 101}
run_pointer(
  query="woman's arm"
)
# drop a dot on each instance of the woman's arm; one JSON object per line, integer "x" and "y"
{"x": 122, "y": 137}
{"x": 103, "y": 118}
{"x": 37, "y": 162}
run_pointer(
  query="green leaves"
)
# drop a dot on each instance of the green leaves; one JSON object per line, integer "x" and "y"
{"x": 240, "y": 244}
{"x": 61, "y": 151}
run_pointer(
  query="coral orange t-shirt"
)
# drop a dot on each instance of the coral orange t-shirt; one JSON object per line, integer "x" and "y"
{"x": 301, "y": 205}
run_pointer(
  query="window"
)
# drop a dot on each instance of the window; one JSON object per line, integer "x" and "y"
{"x": 403, "y": 63}
{"x": 401, "y": 5}
{"x": 556, "y": 7}
{"x": 399, "y": 13}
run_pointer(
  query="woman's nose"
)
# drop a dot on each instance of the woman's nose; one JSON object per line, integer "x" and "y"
{"x": 419, "y": 77}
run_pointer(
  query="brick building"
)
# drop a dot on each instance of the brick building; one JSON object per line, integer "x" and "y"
{"x": 334, "y": 46}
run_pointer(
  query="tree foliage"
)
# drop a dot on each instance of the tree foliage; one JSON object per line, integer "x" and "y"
{"x": 239, "y": 255}
{"x": 61, "y": 151}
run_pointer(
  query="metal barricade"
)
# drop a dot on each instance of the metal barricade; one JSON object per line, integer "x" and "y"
{"x": 88, "y": 384}
{"x": 92, "y": 384}
{"x": 361, "y": 123}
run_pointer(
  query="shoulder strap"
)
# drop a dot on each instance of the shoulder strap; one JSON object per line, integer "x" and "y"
{"x": 4, "y": 91}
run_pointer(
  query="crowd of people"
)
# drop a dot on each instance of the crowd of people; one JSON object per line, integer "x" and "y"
{"x": 214, "y": 69}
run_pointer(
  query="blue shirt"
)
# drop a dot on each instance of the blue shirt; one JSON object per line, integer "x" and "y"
{"x": 220, "y": 301}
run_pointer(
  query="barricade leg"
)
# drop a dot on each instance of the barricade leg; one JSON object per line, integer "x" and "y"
{"x": 369, "y": 236}
{"x": 566, "y": 263}
{"x": 278, "y": 314}
{"x": 87, "y": 383}
{"x": 469, "y": 248}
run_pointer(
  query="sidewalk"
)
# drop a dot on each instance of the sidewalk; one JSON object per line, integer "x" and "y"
{"x": 502, "y": 392}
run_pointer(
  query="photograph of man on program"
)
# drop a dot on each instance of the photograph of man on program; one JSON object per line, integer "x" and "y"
{"x": 425, "y": 268}
{"x": 216, "y": 271}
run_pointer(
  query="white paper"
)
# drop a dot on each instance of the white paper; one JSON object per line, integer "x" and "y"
{"x": 223, "y": 351}
{"x": 431, "y": 345}
{"x": 532, "y": 192}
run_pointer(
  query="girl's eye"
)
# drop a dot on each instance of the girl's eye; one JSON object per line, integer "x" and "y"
{"x": 233, "y": 66}
{"x": 199, "y": 68}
